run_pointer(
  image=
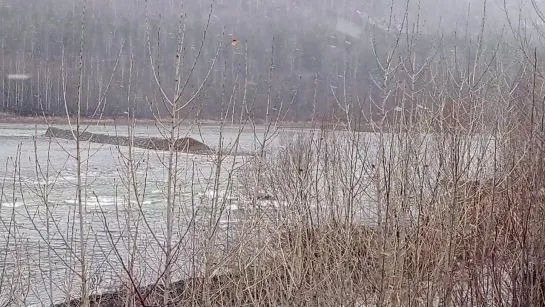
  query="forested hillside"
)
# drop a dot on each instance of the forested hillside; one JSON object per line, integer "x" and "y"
{"x": 311, "y": 57}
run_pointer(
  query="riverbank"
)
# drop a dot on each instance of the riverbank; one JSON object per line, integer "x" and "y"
{"x": 6, "y": 118}
{"x": 263, "y": 283}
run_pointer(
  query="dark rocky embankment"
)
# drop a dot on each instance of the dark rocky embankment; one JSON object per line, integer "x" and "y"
{"x": 185, "y": 144}
{"x": 146, "y": 296}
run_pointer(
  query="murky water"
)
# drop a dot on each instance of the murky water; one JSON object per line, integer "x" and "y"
{"x": 40, "y": 233}
{"x": 124, "y": 205}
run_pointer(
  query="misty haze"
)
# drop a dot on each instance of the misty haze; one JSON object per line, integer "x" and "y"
{"x": 272, "y": 153}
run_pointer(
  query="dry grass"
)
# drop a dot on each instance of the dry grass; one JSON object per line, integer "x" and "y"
{"x": 468, "y": 243}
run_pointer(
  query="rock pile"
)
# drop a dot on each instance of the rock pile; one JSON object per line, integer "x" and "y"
{"x": 152, "y": 295}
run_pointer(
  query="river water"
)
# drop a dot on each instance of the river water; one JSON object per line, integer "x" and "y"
{"x": 39, "y": 236}
{"x": 124, "y": 204}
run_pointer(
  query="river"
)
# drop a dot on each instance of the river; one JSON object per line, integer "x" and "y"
{"x": 124, "y": 204}
{"x": 40, "y": 241}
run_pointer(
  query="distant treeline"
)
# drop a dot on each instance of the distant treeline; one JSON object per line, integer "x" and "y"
{"x": 287, "y": 54}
